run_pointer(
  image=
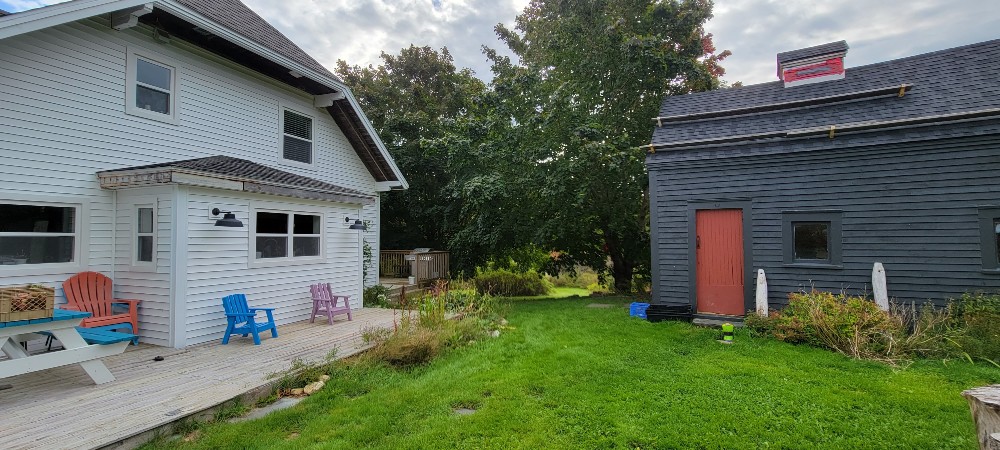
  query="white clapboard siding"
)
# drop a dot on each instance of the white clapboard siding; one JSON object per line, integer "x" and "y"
{"x": 62, "y": 104}
{"x": 149, "y": 284}
{"x": 219, "y": 262}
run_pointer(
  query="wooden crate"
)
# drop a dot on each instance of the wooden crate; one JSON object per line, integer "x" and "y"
{"x": 26, "y": 302}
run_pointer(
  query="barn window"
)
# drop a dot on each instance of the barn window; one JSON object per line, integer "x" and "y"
{"x": 989, "y": 230}
{"x": 297, "y": 137}
{"x": 811, "y": 238}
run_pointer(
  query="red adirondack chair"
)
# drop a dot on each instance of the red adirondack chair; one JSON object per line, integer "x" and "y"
{"x": 91, "y": 292}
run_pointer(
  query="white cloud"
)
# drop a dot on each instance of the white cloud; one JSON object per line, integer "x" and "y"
{"x": 757, "y": 30}
{"x": 357, "y": 31}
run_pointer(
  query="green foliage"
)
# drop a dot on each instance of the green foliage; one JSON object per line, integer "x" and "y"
{"x": 376, "y": 296}
{"x": 366, "y": 258}
{"x": 505, "y": 283}
{"x": 588, "y": 74}
{"x": 857, "y": 327}
{"x": 978, "y": 317}
{"x": 413, "y": 98}
{"x": 567, "y": 376}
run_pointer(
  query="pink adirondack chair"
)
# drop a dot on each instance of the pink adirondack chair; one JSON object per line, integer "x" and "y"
{"x": 325, "y": 301}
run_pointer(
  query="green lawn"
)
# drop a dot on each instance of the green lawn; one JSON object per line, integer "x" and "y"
{"x": 569, "y": 376}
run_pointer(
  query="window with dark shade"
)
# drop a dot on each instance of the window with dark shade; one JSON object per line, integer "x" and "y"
{"x": 37, "y": 234}
{"x": 297, "y": 141}
{"x": 284, "y": 235}
{"x": 811, "y": 238}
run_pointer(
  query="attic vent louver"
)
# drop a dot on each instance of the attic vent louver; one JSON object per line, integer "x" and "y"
{"x": 813, "y": 64}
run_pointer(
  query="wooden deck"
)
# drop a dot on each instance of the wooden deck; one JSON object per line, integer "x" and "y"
{"x": 63, "y": 408}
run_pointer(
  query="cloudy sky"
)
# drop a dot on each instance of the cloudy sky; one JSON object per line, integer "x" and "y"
{"x": 755, "y": 30}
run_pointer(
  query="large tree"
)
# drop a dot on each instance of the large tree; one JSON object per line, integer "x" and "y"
{"x": 415, "y": 98}
{"x": 590, "y": 74}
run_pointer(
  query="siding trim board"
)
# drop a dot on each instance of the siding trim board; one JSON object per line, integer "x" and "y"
{"x": 749, "y": 277}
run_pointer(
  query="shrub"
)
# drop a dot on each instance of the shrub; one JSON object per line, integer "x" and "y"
{"x": 510, "y": 284}
{"x": 376, "y": 296}
{"x": 857, "y": 327}
{"x": 978, "y": 318}
{"x": 426, "y": 331}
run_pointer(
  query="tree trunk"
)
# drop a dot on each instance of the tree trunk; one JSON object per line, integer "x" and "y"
{"x": 621, "y": 269}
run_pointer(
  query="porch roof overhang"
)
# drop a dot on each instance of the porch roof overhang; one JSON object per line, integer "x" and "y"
{"x": 225, "y": 172}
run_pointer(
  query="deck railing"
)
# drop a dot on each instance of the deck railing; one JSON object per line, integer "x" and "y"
{"x": 405, "y": 263}
{"x": 430, "y": 265}
{"x": 393, "y": 263}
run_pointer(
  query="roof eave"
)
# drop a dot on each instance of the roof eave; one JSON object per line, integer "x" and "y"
{"x": 130, "y": 178}
{"x": 58, "y": 14}
{"x": 187, "y": 14}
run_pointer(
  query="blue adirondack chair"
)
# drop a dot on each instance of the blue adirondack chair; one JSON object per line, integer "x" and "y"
{"x": 242, "y": 321}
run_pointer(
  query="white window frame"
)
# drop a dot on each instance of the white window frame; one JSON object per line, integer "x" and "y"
{"x": 281, "y": 136}
{"x": 288, "y": 260}
{"x": 134, "y": 54}
{"x": 136, "y": 263}
{"x": 79, "y": 234}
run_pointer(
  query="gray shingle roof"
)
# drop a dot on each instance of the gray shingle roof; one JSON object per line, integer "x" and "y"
{"x": 810, "y": 52}
{"x": 243, "y": 170}
{"x": 237, "y": 17}
{"x": 944, "y": 82}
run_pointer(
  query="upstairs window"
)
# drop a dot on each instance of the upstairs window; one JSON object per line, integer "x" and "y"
{"x": 811, "y": 238}
{"x": 152, "y": 88}
{"x": 297, "y": 137}
{"x": 37, "y": 234}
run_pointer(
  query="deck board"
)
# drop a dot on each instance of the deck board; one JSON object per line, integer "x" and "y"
{"x": 62, "y": 408}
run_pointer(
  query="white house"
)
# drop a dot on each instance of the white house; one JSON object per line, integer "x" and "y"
{"x": 124, "y": 124}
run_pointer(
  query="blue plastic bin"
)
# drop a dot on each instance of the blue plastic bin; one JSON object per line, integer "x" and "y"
{"x": 637, "y": 309}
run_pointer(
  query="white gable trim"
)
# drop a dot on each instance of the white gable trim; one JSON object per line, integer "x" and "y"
{"x": 50, "y": 16}
{"x": 190, "y": 16}
{"x": 54, "y": 15}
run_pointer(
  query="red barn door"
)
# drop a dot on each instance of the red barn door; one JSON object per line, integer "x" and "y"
{"x": 719, "y": 261}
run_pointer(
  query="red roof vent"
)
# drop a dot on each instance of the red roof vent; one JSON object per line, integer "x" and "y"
{"x": 813, "y": 64}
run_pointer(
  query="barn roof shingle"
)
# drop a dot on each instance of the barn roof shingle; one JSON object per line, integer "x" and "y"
{"x": 946, "y": 82}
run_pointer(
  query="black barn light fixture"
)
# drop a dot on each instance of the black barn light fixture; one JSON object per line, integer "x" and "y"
{"x": 357, "y": 225}
{"x": 228, "y": 219}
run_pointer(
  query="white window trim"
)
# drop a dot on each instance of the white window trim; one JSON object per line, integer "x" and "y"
{"x": 282, "y": 107}
{"x": 136, "y": 264}
{"x": 288, "y": 260}
{"x": 135, "y": 53}
{"x": 80, "y": 232}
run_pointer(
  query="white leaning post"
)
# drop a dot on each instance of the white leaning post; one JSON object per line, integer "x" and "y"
{"x": 879, "y": 286}
{"x": 761, "y": 293}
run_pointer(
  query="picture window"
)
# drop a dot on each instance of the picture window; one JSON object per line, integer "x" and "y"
{"x": 38, "y": 234}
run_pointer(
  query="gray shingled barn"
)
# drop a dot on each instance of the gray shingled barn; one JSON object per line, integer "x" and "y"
{"x": 817, "y": 176}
